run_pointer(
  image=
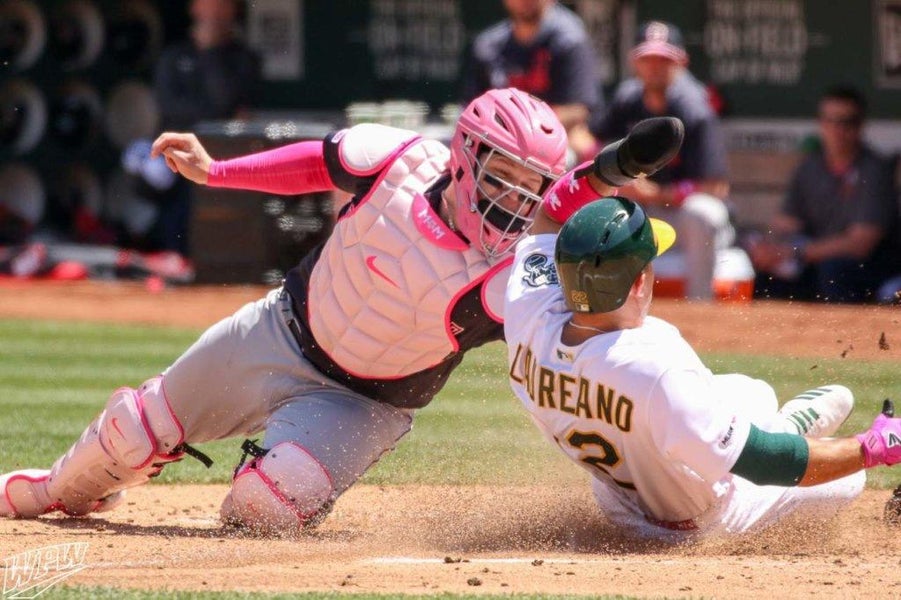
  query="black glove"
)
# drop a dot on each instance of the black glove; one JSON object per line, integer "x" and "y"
{"x": 649, "y": 146}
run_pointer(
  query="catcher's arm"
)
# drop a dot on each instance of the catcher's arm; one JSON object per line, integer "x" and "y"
{"x": 649, "y": 146}
{"x": 297, "y": 168}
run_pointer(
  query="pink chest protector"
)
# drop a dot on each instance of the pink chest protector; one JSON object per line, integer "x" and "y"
{"x": 381, "y": 294}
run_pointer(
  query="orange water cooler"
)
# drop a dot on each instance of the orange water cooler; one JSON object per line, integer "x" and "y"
{"x": 733, "y": 276}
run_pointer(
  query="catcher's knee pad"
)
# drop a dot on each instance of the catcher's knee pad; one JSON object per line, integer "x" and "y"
{"x": 131, "y": 440}
{"x": 284, "y": 490}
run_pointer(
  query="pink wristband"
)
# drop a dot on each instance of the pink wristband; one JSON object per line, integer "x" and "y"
{"x": 568, "y": 195}
{"x": 873, "y": 448}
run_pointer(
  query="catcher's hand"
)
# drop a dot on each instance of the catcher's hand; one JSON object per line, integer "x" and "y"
{"x": 882, "y": 442}
{"x": 184, "y": 154}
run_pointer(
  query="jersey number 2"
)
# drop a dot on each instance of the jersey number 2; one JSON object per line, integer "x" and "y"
{"x": 607, "y": 456}
{"x": 600, "y": 460}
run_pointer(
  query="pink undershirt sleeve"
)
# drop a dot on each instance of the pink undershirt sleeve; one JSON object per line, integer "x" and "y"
{"x": 293, "y": 169}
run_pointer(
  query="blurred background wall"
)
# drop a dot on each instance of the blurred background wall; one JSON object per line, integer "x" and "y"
{"x": 76, "y": 75}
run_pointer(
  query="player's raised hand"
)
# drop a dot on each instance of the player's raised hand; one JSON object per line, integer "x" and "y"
{"x": 184, "y": 154}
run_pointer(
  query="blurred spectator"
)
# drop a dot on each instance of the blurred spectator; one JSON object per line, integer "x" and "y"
{"x": 211, "y": 76}
{"x": 74, "y": 243}
{"x": 543, "y": 49}
{"x": 22, "y": 202}
{"x": 689, "y": 191}
{"x": 834, "y": 238}
{"x": 214, "y": 75}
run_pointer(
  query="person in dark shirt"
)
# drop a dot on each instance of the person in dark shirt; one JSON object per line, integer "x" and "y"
{"x": 690, "y": 190}
{"x": 213, "y": 75}
{"x": 542, "y": 48}
{"x": 833, "y": 240}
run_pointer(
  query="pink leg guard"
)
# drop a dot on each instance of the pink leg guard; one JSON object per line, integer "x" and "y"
{"x": 282, "y": 491}
{"x": 125, "y": 446}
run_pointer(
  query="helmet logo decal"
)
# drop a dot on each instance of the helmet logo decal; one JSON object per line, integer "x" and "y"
{"x": 540, "y": 271}
{"x": 579, "y": 299}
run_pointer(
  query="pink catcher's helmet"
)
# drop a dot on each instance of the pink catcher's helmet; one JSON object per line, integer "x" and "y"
{"x": 525, "y": 130}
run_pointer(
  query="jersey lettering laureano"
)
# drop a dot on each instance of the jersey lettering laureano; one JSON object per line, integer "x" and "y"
{"x": 578, "y": 396}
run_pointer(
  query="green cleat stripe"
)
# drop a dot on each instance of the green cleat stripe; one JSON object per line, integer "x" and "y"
{"x": 802, "y": 427}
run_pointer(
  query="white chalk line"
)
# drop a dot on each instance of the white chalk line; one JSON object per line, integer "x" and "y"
{"x": 413, "y": 560}
{"x": 612, "y": 560}
{"x": 103, "y": 564}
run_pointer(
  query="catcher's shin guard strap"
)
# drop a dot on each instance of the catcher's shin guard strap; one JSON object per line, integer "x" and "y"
{"x": 195, "y": 453}
{"x": 249, "y": 448}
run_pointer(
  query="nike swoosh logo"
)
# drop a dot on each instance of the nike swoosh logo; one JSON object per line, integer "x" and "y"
{"x": 370, "y": 262}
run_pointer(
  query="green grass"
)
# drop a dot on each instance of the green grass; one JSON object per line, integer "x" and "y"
{"x": 54, "y": 377}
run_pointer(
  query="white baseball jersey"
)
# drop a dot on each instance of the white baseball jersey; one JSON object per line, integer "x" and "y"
{"x": 636, "y": 407}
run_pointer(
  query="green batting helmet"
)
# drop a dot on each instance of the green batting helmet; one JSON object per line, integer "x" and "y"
{"x": 602, "y": 248}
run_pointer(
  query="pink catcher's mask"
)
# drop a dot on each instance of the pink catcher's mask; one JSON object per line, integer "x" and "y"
{"x": 524, "y": 130}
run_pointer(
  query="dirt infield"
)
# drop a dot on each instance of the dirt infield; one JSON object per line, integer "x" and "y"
{"x": 429, "y": 539}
